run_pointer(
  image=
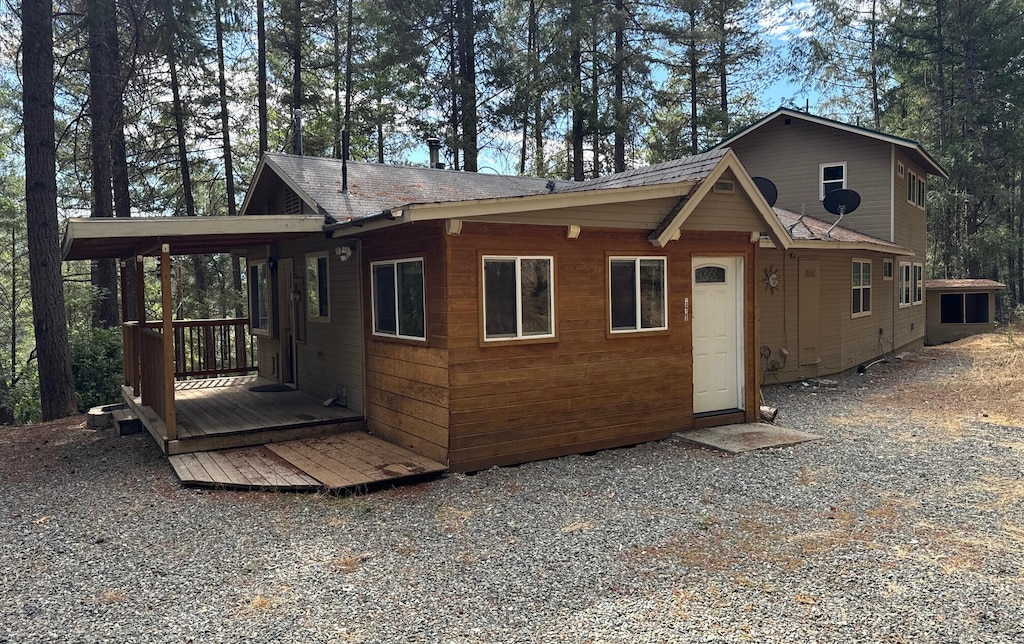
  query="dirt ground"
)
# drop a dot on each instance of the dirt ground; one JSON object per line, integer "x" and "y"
{"x": 990, "y": 384}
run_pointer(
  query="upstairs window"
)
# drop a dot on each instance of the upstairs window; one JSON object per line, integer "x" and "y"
{"x": 637, "y": 294}
{"x": 518, "y": 298}
{"x": 917, "y": 189}
{"x": 833, "y": 177}
{"x": 887, "y": 270}
{"x": 398, "y": 307}
{"x": 861, "y": 287}
{"x": 318, "y": 288}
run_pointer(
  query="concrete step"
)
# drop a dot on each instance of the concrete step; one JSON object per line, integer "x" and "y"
{"x": 102, "y": 416}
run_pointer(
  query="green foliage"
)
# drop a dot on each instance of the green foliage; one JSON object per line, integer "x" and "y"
{"x": 97, "y": 366}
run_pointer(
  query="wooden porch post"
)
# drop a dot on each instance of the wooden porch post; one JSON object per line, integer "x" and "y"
{"x": 168, "y": 333}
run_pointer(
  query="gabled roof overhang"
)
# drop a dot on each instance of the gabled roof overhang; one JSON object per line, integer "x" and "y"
{"x": 99, "y": 238}
{"x": 833, "y": 245}
{"x": 929, "y": 164}
{"x": 687, "y": 193}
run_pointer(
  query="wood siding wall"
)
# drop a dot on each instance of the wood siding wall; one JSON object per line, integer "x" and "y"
{"x": 331, "y": 355}
{"x": 585, "y": 390}
{"x": 790, "y": 155}
{"x": 407, "y": 382}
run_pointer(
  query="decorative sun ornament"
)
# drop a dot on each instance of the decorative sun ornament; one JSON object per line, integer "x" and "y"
{"x": 771, "y": 279}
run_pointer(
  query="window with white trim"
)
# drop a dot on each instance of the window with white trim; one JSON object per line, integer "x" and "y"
{"x": 318, "y": 295}
{"x": 861, "y": 287}
{"x": 259, "y": 297}
{"x": 917, "y": 189}
{"x": 900, "y": 169}
{"x": 637, "y": 294}
{"x": 833, "y": 177}
{"x": 906, "y": 288}
{"x": 887, "y": 270}
{"x": 918, "y": 284}
{"x": 518, "y": 297}
{"x": 398, "y": 304}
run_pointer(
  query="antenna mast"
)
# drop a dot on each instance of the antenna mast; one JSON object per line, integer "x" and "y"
{"x": 348, "y": 101}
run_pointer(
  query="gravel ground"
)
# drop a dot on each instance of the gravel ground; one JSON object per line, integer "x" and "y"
{"x": 899, "y": 526}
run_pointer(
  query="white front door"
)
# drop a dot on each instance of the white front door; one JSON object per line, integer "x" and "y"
{"x": 717, "y": 334}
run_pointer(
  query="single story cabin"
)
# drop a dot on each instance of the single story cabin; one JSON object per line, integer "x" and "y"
{"x": 958, "y": 308}
{"x": 478, "y": 320}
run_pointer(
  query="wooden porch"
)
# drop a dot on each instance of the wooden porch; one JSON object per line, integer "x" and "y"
{"x": 352, "y": 461}
{"x": 237, "y": 411}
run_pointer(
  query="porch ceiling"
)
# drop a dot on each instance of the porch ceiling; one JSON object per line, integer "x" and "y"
{"x": 88, "y": 238}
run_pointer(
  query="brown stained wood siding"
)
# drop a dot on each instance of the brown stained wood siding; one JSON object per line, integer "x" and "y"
{"x": 407, "y": 395}
{"x": 586, "y": 390}
{"x": 790, "y": 156}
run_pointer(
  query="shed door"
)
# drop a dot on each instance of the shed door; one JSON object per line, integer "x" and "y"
{"x": 717, "y": 334}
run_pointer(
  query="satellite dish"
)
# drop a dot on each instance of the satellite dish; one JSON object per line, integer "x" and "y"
{"x": 768, "y": 190}
{"x": 841, "y": 202}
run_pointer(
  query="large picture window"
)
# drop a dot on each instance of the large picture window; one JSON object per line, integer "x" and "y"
{"x": 964, "y": 308}
{"x": 259, "y": 297}
{"x": 518, "y": 297}
{"x": 861, "y": 287}
{"x": 398, "y": 306}
{"x": 317, "y": 288}
{"x": 637, "y": 294}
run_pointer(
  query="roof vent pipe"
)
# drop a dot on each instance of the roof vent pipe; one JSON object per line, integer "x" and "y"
{"x": 434, "y": 144}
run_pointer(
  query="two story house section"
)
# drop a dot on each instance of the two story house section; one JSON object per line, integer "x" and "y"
{"x": 843, "y": 295}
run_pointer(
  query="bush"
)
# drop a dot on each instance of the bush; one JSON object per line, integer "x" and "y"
{"x": 97, "y": 366}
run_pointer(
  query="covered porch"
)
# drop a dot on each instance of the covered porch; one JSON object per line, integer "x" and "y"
{"x": 194, "y": 383}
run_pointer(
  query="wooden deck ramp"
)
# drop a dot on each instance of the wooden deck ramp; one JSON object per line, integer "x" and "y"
{"x": 352, "y": 460}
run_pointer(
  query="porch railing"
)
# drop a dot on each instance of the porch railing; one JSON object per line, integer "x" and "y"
{"x": 151, "y": 383}
{"x": 202, "y": 349}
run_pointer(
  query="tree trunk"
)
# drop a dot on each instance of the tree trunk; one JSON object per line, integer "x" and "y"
{"x": 467, "y": 83}
{"x": 102, "y": 50}
{"x": 56, "y": 385}
{"x": 119, "y": 161}
{"x": 198, "y": 265}
{"x": 229, "y": 168}
{"x": 261, "y": 74}
{"x": 297, "y": 74}
{"x": 620, "y": 72}
{"x": 576, "y": 92}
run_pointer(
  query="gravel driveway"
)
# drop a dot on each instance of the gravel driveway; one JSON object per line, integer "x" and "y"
{"x": 900, "y": 526}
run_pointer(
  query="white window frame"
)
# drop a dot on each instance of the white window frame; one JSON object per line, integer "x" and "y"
{"x": 821, "y": 177}
{"x": 311, "y": 315}
{"x": 905, "y": 284}
{"x": 636, "y": 259}
{"x": 259, "y": 266}
{"x": 519, "y": 336}
{"x": 900, "y": 169}
{"x": 887, "y": 270}
{"x": 861, "y": 288}
{"x": 398, "y": 314}
{"x": 917, "y": 188}
{"x": 917, "y": 284}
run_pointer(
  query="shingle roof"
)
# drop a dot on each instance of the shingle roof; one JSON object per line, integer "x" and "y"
{"x": 373, "y": 188}
{"x": 811, "y": 228}
{"x": 693, "y": 168}
{"x": 963, "y": 284}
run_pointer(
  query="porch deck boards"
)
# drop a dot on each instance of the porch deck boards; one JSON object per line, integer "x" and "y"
{"x": 337, "y": 462}
{"x": 226, "y": 405}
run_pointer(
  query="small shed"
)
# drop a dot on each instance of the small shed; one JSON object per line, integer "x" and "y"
{"x": 959, "y": 308}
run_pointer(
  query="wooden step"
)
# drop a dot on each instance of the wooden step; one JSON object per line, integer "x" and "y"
{"x": 125, "y": 422}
